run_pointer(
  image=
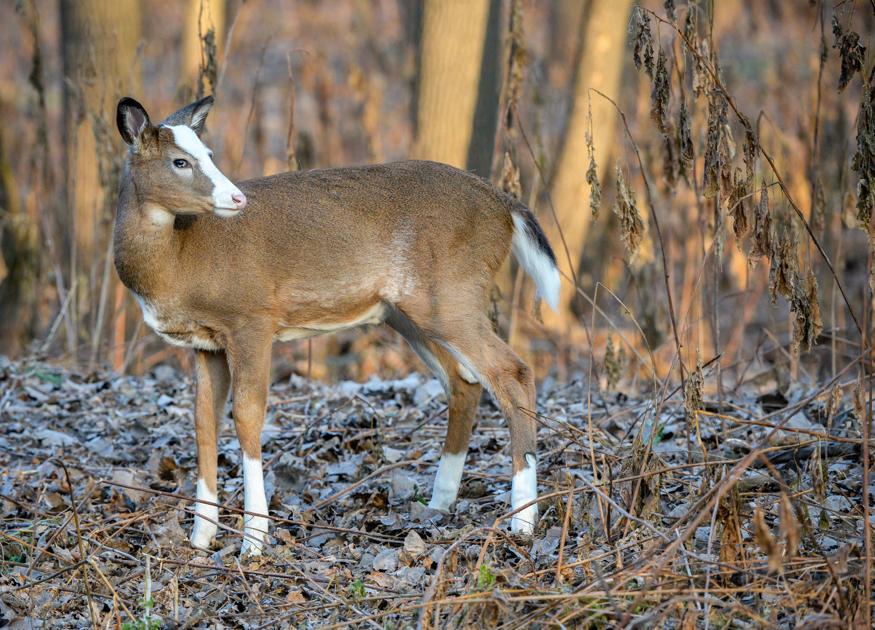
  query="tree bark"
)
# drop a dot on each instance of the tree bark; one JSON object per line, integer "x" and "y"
{"x": 99, "y": 40}
{"x": 599, "y": 66}
{"x": 482, "y": 144}
{"x": 198, "y": 69}
{"x": 565, "y": 17}
{"x": 453, "y": 56}
{"x": 19, "y": 263}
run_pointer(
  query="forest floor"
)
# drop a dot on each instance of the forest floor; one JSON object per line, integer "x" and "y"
{"x": 756, "y": 521}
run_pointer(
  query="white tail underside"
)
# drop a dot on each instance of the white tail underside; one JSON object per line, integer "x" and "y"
{"x": 535, "y": 262}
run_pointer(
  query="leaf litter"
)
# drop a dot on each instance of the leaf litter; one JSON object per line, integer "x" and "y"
{"x": 755, "y": 519}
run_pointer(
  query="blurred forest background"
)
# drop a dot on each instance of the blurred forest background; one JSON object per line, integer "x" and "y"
{"x": 704, "y": 170}
{"x": 708, "y": 163}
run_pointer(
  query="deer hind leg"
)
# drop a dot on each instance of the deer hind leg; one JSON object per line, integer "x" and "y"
{"x": 249, "y": 360}
{"x": 213, "y": 378}
{"x": 512, "y": 385}
{"x": 463, "y": 396}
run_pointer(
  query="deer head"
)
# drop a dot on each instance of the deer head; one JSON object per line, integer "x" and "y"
{"x": 170, "y": 166}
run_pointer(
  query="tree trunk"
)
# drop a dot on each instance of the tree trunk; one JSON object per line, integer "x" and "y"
{"x": 202, "y": 39}
{"x": 565, "y": 16}
{"x": 19, "y": 263}
{"x": 453, "y": 56}
{"x": 482, "y": 144}
{"x": 100, "y": 41}
{"x": 599, "y": 65}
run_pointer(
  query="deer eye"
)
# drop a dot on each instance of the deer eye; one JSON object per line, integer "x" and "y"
{"x": 180, "y": 163}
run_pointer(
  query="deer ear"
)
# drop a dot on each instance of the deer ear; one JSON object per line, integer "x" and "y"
{"x": 193, "y": 115}
{"x": 132, "y": 120}
{"x": 199, "y": 111}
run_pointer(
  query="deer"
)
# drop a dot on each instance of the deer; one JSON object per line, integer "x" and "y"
{"x": 228, "y": 270}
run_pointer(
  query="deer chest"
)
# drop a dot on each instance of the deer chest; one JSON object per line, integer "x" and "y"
{"x": 178, "y": 328}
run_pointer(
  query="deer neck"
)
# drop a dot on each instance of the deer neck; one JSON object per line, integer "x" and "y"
{"x": 146, "y": 245}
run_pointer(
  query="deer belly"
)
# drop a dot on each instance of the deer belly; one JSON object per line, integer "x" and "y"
{"x": 176, "y": 332}
{"x": 374, "y": 315}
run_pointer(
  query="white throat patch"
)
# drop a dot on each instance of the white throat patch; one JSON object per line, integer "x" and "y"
{"x": 187, "y": 140}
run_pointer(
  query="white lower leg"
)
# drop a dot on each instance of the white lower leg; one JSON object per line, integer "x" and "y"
{"x": 255, "y": 521}
{"x": 206, "y": 517}
{"x": 447, "y": 480}
{"x": 524, "y": 488}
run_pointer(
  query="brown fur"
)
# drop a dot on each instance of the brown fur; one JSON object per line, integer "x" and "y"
{"x": 213, "y": 381}
{"x": 416, "y": 243}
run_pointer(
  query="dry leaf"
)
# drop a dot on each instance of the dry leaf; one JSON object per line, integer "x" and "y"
{"x": 766, "y": 541}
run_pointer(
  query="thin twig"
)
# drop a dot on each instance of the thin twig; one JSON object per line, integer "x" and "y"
{"x": 653, "y": 215}
{"x": 82, "y": 554}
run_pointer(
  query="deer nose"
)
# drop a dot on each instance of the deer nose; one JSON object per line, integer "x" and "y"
{"x": 239, "y": 200}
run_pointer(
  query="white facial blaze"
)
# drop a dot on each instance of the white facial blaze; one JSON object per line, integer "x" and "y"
{"x": 254, "y": 501}
{"x": 187, "y": 140}
{"x": 524, "y": 488}
{"x": 206, "y": 517}
{"x": 447, "y": 480}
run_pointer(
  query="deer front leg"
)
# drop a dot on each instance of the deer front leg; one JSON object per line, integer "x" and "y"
{"x": 249, "y": 360}
{"x": 211, "y": 370}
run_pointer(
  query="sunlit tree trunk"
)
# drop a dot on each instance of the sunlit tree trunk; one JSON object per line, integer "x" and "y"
{"x": 565, "y": 16}
{"x": 599, "y": 66}
{"x": 453, "y": 55}
{"x": 100, "y": 41}
{"x": 202, "y": 39}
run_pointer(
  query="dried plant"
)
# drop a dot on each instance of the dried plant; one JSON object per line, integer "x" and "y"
{"x": 784, "y": 269}
{"x": 766, "y": 541}
{"x": 690, "y": 31}
{"x": 693, "y": 395}
{"x": 518, "y": 59}
{"x": 702, "y": 81}
{"x": 789, "y": 528}
{"x": 626, "y": 209}
{"x": 863, "y": 161}
{"x": 739, "y": 204}
{"x": 592, "y": 171}
{"x": 686, "y": 154}
{"x": 851, "y": 52}
{"x": 750, "y": 150}
{"x": 762, "y": 226}
{"x": 807, "y": 322}
{"x": 819, "y": 476}
{"x": 717, "y": 154}
{"x": 670, "y": 163}
{"x": 732, "y": 548}
{"x": 510, "y": 177}
{"x": 659, "y": 95}
{"x": 643, "y": 38}
{"x": 614, "y": 362}
{"x": 209, "y": 70}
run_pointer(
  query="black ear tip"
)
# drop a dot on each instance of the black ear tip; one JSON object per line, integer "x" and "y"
{"x": 127, "y": 101}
